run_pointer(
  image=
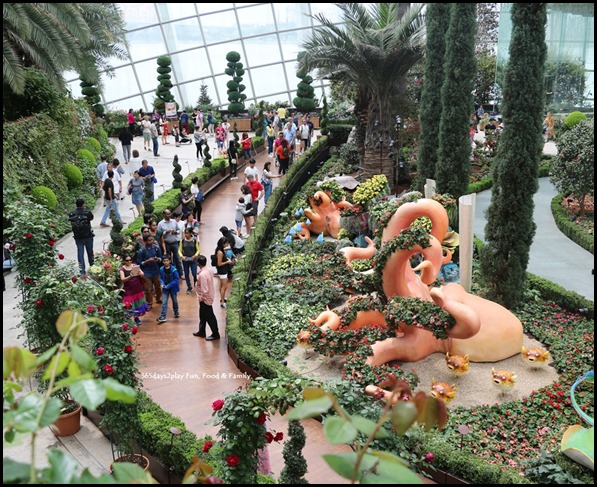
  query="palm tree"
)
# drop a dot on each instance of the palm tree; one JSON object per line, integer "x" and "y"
{"x": 373, "y": 48}
{"x": 56, "y": 37}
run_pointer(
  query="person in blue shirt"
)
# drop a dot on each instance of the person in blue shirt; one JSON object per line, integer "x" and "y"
{"x": 169, "y": 278}
{"x": 148, "y": 174}
{"x": 149, "y": 258}
{"x": 184, "y": 121}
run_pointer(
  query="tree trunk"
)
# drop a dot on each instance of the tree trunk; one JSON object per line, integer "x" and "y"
{"x": 377, "y": 161}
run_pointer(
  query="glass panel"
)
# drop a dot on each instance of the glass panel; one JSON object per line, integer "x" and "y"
{"x": 262, "y": 50}
{"x": 123, "y": 84}
{"x": 191, "y": 91}
{"x": 329, "y": 11}
{"x": 190, "y": 65}
{"x": 219, "y": 27}
{"x": 292, "y": 42}
{"x": 268, "y": 80}
{"x": 292, "y": 16}
{"x": 75, "y": 88}
{"x": 146, "y": 43}
{"x": 138, "y": 14}
{"x": 115, "y": 62}
{"x": 256, "y": 20}
{"x": 134, "y": 102}
{"x": 172, "y": 11}
{"x": 184, "y": 34}
{"x": 205, "y": 8}
{"x": 147, "y": 74}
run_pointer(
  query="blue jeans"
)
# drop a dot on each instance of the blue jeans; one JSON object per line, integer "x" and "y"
{"x": 156, "y": 145}
{"x": 109, "y": 205}
{"x": 270, "y": 145}
{"x": 165, "y": 294}
{"x": 84, "y": 244}
{"x": 190, "y": 267}
{"x": 268, "y": 191}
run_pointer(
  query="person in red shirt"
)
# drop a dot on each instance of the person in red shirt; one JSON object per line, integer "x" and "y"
{"x": 257, "y": 192}
{"x": 245, "y": 145}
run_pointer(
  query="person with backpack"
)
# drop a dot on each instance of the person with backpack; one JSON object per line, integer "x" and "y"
{"x": 82, "y": 233}
{"x": 199, "y": 198}
{"x": 283, "y": 153}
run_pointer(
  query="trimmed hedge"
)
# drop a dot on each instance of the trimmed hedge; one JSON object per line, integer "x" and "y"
{"x": 569, "y": 228}
{"x": 74, "y": 176}
{"x": 45, "y": 196}
{"x": 339, "y": 133}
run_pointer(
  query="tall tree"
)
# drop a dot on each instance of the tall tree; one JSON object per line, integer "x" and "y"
{"x": 510, "y": 228}
{"x": 374, "y": 48}
{"x": 204, "y": 101}
{"x": 236, "y": 97}
{"x": 453, "y": 163}
{"x": 56, "y": 37}
{"x": 437, "y": 20}
{"x": 163, "y": 93}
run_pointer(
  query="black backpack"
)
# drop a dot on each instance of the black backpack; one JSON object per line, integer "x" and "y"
{"x": 80, "y": 224}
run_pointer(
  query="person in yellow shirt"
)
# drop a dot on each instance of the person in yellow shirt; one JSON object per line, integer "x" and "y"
{"x": 549, "y": 125}
{"x": 282, "y": 115}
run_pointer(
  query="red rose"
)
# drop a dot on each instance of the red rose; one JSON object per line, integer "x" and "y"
{"x": 269, "y": 437}
{"x": 108, "y": 369}
{"x": 279, "y": 436}
{"x": 262, "y": 418}
{"x": 207, "y": 446}
{"x": 217, "y": 405}
{"x": 27, "y": 280}
{"x": 134, "y": 330}
{"x": 61, "y": 256}
{"x": 39, "y": 302}
{"x": 28, "y": 235}
{"x": 51, "y": 242}
{"x": 90, "y": 308}
{"x": 100, "y": 309}
{"x": 125, "y": 327}
{"x": 100, "y": 351}
{"x": 429, "y": 457}
{"x": 74, "y": 279}
{"x": 232, "y": 460}
{"x": 127, "y": 305}
{"x": 128, "y": 349}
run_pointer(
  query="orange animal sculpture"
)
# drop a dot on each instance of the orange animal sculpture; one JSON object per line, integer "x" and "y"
{"x": 457, "y": 364}
{"x": 503, "y": 379}
{"x": 484, "y": 330}
{"x": 441, "y": 390}
{"x": 324, "y": 216}
{"x": 535, "y": 357}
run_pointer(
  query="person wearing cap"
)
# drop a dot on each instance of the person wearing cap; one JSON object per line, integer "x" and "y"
{"x": 251, "y": 169}
{"x": 237, "y": 244}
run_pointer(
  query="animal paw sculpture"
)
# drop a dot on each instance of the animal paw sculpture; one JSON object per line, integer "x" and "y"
{"x": 324, "y": 216}
{"x": 481, "y": 329}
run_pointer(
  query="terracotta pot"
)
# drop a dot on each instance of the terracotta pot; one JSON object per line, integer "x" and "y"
{"x": 136, "y": 458}
{"x": 68, "y": 424}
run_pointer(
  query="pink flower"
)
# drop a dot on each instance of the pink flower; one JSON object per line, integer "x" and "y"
{"x": 213, "y": 480}
{"x": 128, "y": 349}
{"x": 90, "y": 308}
{"x": 207, "y": 446}
{"x": 217, "y": 405}
{"x": 127, "y": 305}
{"x": 279, "y": 436}
{"x": 429, "y": 457}
{"x": 27, "y": 280}
{"x": 108, "y": 369}
{"x": 134, "y": 330}
{"x": 61, "y": 256}
{"x": 100, "y": 351}
{"x": 125, "y": 327}
{"x": 269, "y": 437}
{"x": 262, "y": 418}
{"x": 28, "y": 236}
{"x": 232, "y": 460}
{"x": 39, "y": 303}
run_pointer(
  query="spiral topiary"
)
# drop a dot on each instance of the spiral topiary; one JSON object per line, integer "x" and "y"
{"x": 295, "y": 465}
{"x": 45, "y": 196}
{"x": 74, "y": 176}
{"x": 162, "y": 92}
{"x": 304, "y": 100}
{"x": 207, "y": 157}
{"x": 236, "y": 97}
{"x": 92, "y": 97}
{"x": 115, "y": 246}
{"x": 147, "y": 199}
{"x": 177, "y": 182}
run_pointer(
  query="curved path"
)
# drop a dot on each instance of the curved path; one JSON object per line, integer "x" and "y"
{"x": 553, "y": 255}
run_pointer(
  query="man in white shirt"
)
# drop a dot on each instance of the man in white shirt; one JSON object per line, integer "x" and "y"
{"x": 251, "y": 170}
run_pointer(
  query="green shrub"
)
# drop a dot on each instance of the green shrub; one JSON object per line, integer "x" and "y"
{"x": 570, "y": 228}
{"x": 45, "y": 196}
{"x": 574, "y": 118}
{"x": 86, "y": 157}
{"x": 74, "y": 176}
{"x": 258, "y": 141}
{"x": 339, "y": 133}
{"x": 93, "y": 145}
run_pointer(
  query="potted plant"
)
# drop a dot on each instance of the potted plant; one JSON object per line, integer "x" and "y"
{"x": 69, "y": 421}
{"x": 124, "y": 434}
